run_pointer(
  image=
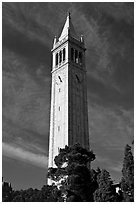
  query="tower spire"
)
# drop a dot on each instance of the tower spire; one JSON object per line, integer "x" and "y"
{"x": 68, "y": 29}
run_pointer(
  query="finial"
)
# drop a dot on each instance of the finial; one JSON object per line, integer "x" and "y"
{"x": 68, "y": 15}
{"x": 82, "y": 38}
{"x": 55, "y": 40}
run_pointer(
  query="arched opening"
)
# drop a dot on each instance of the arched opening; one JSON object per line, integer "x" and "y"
{"x": 57, "y": 59}
{"x": 64, "y": 54}
{"x": 60, "y": 56}
{"x": 80, "y": 58}
{"x": 72, "y": 54}
{"x": 76, "y": 56}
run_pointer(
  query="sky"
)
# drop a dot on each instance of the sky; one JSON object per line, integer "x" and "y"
{"x": 28, "y": 30}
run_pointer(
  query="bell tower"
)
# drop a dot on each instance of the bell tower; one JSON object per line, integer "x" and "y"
{"x": 69, "y": 112}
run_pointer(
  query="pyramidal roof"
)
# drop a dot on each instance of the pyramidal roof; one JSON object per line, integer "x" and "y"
{"x": 68, "y": 28}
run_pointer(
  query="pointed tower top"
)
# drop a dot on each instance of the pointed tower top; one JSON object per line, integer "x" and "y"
{"x": 68, "y": 15}
{"x": 68, "y": 29}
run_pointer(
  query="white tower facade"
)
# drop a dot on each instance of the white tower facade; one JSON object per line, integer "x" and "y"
{"x": 69, "y": 112}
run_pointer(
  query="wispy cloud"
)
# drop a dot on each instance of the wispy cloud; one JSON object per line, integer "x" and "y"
{"x": 18, "y": 153}
{"x": 116, "y": 168}
{"x": 28, "y": 31}
{"x": 109, "y": 126}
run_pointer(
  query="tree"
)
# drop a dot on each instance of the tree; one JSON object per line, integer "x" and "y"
{"x": 72, "y": 175}
{"x": 29, "y": 195}
{"x": 94, "y": 184}
{"x": 127, "y": 181}
{"x": 48, "y": 194}
{"x": 105, "y": 191}
{"x": 6, "y": 192}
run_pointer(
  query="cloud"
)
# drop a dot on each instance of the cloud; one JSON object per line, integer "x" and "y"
{"x": 25, "y": 101}
{"x": 23, "y": 19}
{"x": 18, "y": 153}
{"x": 119, "y": 10}
{"x": 109, "y": 41}
{"x": 24, "y": 138}
{"x": 110, "y": 130}
{"x": 28, "y": 32}
{"x": 116, "y": 168}
{"x": 110, "y": 127}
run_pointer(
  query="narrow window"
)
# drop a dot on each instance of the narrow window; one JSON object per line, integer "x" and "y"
{"x": 80, "y": 58}
{"x": 60, "y": 78}
{"x": 64, "y": 54}
{"x": 76, "y": 56}
{"x": 58, "y": 128}
{"x": 72, "y": 54}
{"x": 60, "y": 56}
{"x": 77, "y": 78}
{"x": 59, "y": 108}
{"x": 59, "y": 89}
{"x": 57, "y": 59}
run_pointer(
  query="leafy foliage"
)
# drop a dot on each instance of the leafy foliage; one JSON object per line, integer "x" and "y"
{"x": 46, "y": 194}
{"x": 94, "y": 183}
{"x": 72, "y": 154}
{"x": 73, "y": 174}
{"x": 6, "y": 192}
{"x": 127, "y": 182}
{"x": 105, "y": 191}
{"x": 29, "y": 195}
{"x": 74, "y": 181}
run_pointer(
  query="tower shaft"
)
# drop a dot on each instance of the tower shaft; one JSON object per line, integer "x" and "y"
{"x": 69, "y": 113}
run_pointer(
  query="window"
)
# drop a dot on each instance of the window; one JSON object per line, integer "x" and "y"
{"x": 60, "y": 56}
{"x": 60, "y": 78}
{"x": 58, "y": 128}
{"x": 76, "y": 56}
{"x": 64, "y": 53}
{"x": 77, "y": 78}
{"x": 80, "y": 57}
{"x": 72, "y": 54}
{"x": 59, "y": 89}
{"x": 57, "y": 59}
{"x": 59, "y": 108}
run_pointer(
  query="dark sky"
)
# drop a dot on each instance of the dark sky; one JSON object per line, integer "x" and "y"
{"x": 28, "y": 32}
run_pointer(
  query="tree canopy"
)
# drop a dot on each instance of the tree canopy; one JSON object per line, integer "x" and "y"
{"x": 105, "y": 191}
{"x": 127, "y": 181}
{"x": 72, "y": 172}
{"x": 75, "y": 181}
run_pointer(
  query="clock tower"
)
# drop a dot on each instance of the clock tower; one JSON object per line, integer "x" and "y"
{"x": 69, "y": 112}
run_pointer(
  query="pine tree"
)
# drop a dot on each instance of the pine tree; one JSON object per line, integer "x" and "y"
{"x": 94, "y": 183}
{"x": 127, "y": 182}
{"x": 105, "y": 191}
{"x": 72, "y": 175}
{"x": 6, "y": 192}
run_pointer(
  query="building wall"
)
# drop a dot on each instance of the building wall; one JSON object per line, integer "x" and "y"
{"x": 59, "y": 112}
{"x": 78, "y": 114}
{"x": 69, "y": 114}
